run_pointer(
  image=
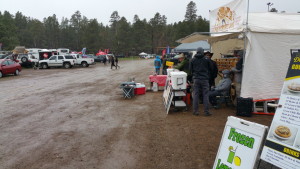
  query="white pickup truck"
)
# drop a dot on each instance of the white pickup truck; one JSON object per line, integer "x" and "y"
{"x": 66, "y": 61}
{"x": 84, "y": 62}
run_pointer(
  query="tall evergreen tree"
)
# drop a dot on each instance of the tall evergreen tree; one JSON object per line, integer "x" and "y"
{"x": 51, "y": 31}
{"x": 190, "y": 14}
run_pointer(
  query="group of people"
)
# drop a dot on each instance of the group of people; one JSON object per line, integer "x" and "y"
{"x": 202, "y": 72}
{"x": 114, "y": 62}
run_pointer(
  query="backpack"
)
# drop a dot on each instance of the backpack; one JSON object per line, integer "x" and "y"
{"x": 157, "y": 63}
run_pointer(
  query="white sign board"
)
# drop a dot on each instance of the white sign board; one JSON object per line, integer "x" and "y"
{"x": 228, "y": 18}
{"x": 282, "y": 147}
{"x": 240, "y": 145}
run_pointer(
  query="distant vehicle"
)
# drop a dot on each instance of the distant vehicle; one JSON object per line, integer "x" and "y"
{"x": 34, "y": 52}
{"x": 63, "y": 51}
{"x": 8, "y": 66}
{"x": 99, "y": 58}
{"x": 67, "y": 61}
{"x": 84, "y": 62}
{"x": 3, "y": 56}
{"x": 88, "y": 56}
{"x": 27, "y": 59}
{"x": 46, "y": 53}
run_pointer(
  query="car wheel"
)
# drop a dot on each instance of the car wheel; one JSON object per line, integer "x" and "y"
{"x": 67, "y": 65}
{"x": 0, "y": 74}
{"x": 17, "y": 72}
{"x": 44, "y": 66}
{"x": 24, "y": 59}
{"x": 84, "y": 64}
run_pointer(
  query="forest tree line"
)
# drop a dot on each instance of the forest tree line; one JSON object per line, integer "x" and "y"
{"x": 120, "y": 36}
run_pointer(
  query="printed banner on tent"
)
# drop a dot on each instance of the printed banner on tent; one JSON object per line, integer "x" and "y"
{"x": 282, "y": 147}
{"x": 240, "y": 145}
{"x": 229, "y": 17}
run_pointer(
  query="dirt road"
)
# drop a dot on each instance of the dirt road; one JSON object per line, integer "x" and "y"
{"x": 77, "y": 118}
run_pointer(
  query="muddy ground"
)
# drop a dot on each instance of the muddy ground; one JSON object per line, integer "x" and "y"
{"x": 78, "y": 118}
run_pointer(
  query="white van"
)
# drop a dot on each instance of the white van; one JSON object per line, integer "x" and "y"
{"x": 34, "y": 52}
{"x": 63, "y": 51}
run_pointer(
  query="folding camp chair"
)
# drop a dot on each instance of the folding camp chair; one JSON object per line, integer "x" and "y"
{"x": 128, "y": 89}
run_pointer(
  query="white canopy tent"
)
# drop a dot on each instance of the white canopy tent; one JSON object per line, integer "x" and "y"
{"x": 269, "y": 38}
{"x": 143, "y": 53}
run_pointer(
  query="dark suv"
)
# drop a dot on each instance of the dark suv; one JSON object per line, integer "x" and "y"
{"x": 99, "y": 58}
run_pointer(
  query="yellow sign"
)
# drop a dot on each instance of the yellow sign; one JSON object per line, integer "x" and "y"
{"x": 168, "y": 63}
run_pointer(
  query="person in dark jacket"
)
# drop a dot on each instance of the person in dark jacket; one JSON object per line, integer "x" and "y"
{"x": 213, "y": 75}
{"x": 104, "y": 60}
{"x": 200, "y": 68}
{"x": 112, "y": 62}
{"x": 117, "y": 61}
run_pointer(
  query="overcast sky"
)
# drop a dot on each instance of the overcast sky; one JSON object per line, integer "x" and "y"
{"x": 174, "y": 10}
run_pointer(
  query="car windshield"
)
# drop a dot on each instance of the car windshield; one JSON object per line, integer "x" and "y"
{"x": 2, "y": 56}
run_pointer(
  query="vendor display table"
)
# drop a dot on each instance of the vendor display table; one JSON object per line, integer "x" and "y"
{"x": 159, "y": 79}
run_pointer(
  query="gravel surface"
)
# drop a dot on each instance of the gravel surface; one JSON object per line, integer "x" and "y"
{"x": 78, "y": 118}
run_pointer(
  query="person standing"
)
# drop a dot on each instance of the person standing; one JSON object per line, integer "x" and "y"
{"x": 104, "y": 60}
{"x": 112, "y": 61}
{"x": 200, "y": 68}
{"x": 117, "y": 61}
{"x": 237, "y": 70}
{"x": 213, "y": 75}
{"x": 157, "y": 64}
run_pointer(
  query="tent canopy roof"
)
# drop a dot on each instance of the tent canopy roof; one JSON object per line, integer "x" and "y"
{"x": 143, "y": 53}
{"x": 269, "y": 22}
{"x": 187, "y": 47}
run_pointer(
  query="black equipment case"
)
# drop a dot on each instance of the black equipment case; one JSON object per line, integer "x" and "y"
{"x": 244, "y": 107}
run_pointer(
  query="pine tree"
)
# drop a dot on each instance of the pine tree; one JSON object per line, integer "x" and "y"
{"x": 190, "y": 14}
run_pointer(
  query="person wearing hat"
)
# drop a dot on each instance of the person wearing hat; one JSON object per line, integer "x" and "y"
{"x": 213, "y": 75}
{"x": 183, "y": 63}
{"x": 200, "y": 69}
{"x": 222, "y": 88}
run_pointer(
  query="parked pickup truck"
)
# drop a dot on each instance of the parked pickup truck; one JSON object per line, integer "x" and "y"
{"x": 84, "y": 62}
{"x": 66, "y": 61}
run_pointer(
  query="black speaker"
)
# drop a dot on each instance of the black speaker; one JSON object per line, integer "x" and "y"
{"x": 244, "y": 107}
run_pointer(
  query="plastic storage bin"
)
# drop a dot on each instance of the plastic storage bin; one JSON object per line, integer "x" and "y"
{"x": 169, "y": 71}
{"x": 178, "y": 80}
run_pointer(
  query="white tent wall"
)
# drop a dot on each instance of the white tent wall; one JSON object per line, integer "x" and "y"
{"x": 266, "y": 63}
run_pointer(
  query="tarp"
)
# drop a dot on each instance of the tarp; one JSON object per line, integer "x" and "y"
{"x": 196, "y": 36}
{"x": 187, "y": 47}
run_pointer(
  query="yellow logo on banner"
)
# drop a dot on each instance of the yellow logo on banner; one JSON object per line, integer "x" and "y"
{"x": 168, "y": 63}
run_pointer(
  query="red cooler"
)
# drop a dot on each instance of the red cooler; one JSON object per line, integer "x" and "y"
{"x": 139, "y": 89}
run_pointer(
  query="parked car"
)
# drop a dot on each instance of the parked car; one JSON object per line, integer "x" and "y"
{"x": 99, "y": 58}
{"x": 27, "y": 59}
{"x": 84, "y": 62}
{"x": 67, "y": 61}
{"x": 4, "y": 56}
{"x": 8, "y": 66}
